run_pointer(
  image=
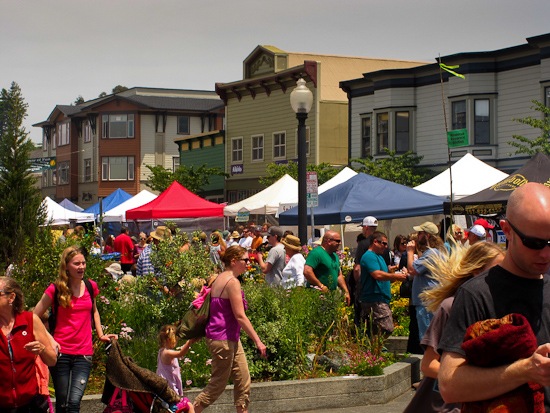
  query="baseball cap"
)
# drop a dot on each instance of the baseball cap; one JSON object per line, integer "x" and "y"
{"x": 275, "y": 231}
{"x": 478, "y": 230}
{"x": 484, "y": 223}
{"x": 428, "y": 227}
{"x": 369, "y": 222}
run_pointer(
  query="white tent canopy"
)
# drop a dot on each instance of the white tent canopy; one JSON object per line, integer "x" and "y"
{"x": 470, "y": 175}
{"x": 57, "y": 215}
{"x": 266, "y": 202}
{"x": 118, "y": 213}
{"x": 337, "y": 179}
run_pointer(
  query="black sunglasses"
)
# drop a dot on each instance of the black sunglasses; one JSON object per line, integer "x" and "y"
{"x": 382, "y": 242}
{"x": 530, "y": 242}
{"x": 338, "y": 241}
{"x": 246, "y": 260}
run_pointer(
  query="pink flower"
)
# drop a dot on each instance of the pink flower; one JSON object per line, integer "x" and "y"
{"x": 209, "y": 362}
{"x": 189, "y": 382}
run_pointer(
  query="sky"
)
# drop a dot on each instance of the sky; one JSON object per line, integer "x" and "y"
{"x": 57, "y": 50}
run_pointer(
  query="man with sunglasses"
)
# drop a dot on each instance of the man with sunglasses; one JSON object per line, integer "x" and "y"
{"x": 518, "y": 285}
{"x": 275, "y": 261}
{"x": 322, "y": 267}
{"x": 375, "y": 287}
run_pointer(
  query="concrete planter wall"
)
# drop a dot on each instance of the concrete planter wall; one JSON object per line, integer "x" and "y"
{"x": 302, "y": 395}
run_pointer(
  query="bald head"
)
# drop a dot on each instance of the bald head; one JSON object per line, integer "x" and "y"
{"x": 331, "y": 241}
{"x": 528, "y": 199}
{"x": 527, "y": 217}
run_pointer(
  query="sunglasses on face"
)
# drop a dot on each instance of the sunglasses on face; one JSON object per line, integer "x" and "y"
{"x": 384, "y": 243}
{"x": 246, "y": 260}
{"x": 338, "y": 241}
{"x": 404, "y": 243}
{"x": 530, "y": 242}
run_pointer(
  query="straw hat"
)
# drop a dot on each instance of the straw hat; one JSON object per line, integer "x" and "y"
{"x": 235, "y": 235}
{"x": 292, "y": 243}
{"x": 161, "y": 233}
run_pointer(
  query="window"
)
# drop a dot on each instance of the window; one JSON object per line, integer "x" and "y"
{"x": 63, "y": 170}
{"x": 118, "y": 126}
{"x": 63, "y": 133}
{"x": 279, "y": 145}
{"x": 382, "y": 131}
{"x": 459, "y": 114}
{"x": 117, "y": 168}
{"x": 87, "y": 132}
{"x": 366, "y": 129}
{"x": 183, "y": 125}
{"x": 258, "y": 148}
{"x": 88, "y": 170}
{"x": 44, "y": 179}
{"x": 547, "y": 96}
{"x": 402, "y": 132}
{"x": 237, "y": 150}
{"x": 175, "y": 163}
{"x": 481, "y": 122}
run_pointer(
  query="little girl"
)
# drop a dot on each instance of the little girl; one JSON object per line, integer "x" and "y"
{"x": 168, "y": 365}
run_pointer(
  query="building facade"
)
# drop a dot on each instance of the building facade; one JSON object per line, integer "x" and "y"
{"x": 412, "y": 109}
{"x": 261, "y": 127}
{"x": 105, "y": 144}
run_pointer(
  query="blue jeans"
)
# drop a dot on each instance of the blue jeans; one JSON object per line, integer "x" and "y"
{"x": 423, "y": 318}
{"x": 70, "y": 377}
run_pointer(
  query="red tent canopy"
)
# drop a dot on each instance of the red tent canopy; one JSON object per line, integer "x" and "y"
{"x": 176, "y": 202}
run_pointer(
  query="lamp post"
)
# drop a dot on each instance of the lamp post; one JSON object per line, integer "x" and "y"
{"x": 301, "y": 100}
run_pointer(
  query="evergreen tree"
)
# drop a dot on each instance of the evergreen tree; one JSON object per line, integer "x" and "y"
{"x": 20, "y": 200}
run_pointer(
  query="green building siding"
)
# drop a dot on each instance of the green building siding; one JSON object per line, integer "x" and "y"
{"x": 211, "y": 156}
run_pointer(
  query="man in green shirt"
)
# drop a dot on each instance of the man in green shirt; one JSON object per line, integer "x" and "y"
{"x": 322, "y": 267}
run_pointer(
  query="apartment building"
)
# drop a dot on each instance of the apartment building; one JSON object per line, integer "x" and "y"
{"x": 412, "y": 109}
{"x": 106, "y": 143}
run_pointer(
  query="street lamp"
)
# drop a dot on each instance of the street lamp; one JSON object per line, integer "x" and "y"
{"x": 301, "y": 100}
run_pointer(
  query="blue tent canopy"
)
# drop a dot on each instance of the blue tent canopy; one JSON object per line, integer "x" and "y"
{"x": 114, "y": 199}
{"x": 364, "y": 195}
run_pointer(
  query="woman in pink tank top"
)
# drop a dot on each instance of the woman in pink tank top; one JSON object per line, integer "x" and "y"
{"x": 227, "y": 317}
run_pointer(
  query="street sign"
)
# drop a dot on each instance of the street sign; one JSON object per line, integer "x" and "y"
{"x": 312, "y": 192}
{"x": 242, "y": 216}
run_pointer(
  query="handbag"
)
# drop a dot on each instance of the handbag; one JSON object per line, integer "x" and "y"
{"x": 118, "y": 404}
{"x": 405, "y": 289}
{"x": 193, "y": 323}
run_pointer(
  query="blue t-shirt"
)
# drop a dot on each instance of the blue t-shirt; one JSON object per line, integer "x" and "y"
{"x": 373, "y": 291}
{"x": 423, "y": 279}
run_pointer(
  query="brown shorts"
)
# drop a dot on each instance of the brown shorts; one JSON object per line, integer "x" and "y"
{"x": 380, "y": 315}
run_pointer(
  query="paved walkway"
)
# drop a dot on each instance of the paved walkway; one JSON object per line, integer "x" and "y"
{"x": 395, "y": 406}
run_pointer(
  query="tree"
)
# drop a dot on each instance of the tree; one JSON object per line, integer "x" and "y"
{"x": 541, "y": 142}
{"x": 79, "y": 100}
{"x": 119, "y": 88}
{"x": 275, "y": 172}
{"x": 401, "y": 169}
{"x": 194, "y": 179}
{"x": 21, "y": 212}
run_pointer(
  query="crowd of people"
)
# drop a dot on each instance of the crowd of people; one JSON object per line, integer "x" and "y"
{"x": 459, "y": 278}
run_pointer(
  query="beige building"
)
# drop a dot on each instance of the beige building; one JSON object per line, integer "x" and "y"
{"x": 261, "y": 127}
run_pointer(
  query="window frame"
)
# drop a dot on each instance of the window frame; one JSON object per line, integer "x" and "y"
{"x": 88, "y": 170}
{"x": 64, "y": 133}
{"x": 64, "y": 173}
{"x": 280, "y": 146}
{"x": 386, "y": 133}
{"x": 254, "y": 149}
{"x": 87, "y": 132}
{"x": 188, "y": 130}
{"x": 107, "y": 128}
{"x": 106, "y": 168}
{"x": 397, "y": 132}
{"x": 235, "y": 151}
{"x": 175, "y": 163}
{"x": 364, "y": 119}
{"x": 470, "y": 122}
{"x": 478, "y": 123}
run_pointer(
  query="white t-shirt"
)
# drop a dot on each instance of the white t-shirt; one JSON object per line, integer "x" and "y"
{"x": 246, "y": 243}
{"x": 293, "y": 273}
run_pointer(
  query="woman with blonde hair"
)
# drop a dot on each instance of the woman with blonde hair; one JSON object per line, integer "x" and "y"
{"x": 450, "y": 273}
{"x": 227, "y": 317}
{"x": 72, "y": 299}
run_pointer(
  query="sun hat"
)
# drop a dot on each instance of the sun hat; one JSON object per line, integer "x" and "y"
{"x": 428, "y": 227}
{"x": 369, "y": 221}
{"x": 292, "y": 242}
{"x": 478, "y": 230}
{"x": 161, "y": 233}
{"x": 235, "y": 235}
{"x": 484, "y": 223}
{"x": 115, "y": 270}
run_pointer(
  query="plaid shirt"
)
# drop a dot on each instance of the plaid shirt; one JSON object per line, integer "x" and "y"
{"x": 144, "y": 264}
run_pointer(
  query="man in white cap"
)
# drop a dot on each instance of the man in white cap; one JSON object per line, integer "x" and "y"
{"x": 475, "y": 234}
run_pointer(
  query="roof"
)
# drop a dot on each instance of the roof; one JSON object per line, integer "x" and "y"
{"x": 171, "y": 103}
